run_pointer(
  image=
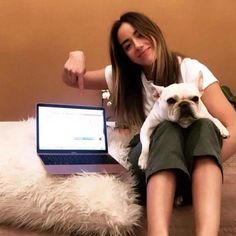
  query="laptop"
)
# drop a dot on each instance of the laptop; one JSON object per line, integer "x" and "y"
{"x": 72, "y": 139}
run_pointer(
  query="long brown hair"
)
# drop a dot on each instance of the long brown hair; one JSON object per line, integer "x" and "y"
{"x": 127, "y": 94}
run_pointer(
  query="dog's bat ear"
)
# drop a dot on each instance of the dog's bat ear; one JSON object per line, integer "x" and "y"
{"x": 199, "y": 81}
{"x": 156, "y": 90}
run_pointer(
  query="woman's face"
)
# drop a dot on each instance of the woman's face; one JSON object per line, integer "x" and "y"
{"x": 137, "y": 47}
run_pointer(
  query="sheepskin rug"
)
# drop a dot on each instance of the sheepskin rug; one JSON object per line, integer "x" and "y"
{"x": 83, "y": 204}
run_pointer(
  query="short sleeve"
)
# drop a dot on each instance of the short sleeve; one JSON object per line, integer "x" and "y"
{"x": 190, "y": 69}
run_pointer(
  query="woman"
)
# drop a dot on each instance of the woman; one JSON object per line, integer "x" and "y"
{"x": 180, "y": 159}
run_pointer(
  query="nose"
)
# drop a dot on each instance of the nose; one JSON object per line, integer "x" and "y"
{"x": 184, "y": 104}
{"x": 137, "y": 43}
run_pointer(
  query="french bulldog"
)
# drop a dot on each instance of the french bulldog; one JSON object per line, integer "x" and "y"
{"x": 178, "y": 103}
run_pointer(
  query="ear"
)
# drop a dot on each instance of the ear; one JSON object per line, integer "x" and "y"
{"x": 156, "y": 90}
{"x": 199, "y": 81}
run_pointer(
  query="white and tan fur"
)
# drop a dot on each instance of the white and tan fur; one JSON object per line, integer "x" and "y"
{"x": 178, "y": 103}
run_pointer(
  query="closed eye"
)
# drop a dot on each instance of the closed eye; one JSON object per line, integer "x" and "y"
{"x": 171, "y": 101}
{"x": 127, "y": 46}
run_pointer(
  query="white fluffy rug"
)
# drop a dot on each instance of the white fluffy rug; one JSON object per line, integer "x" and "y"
{"x": 86, "y": 204}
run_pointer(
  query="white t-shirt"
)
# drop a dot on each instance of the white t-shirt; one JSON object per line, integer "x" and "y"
{"x": 189, "y": 69}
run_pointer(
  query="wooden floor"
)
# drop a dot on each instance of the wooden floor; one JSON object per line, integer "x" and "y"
{"x": 182, "y": 221}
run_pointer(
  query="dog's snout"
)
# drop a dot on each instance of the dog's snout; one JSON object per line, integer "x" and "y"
{"x": 185, "y": 109}
{"x": 184, "y": 104}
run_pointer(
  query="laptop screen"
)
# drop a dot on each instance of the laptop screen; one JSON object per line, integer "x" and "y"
{"x": 66, "y": 127}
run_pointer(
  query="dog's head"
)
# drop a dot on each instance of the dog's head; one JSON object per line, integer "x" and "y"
{"x": 180, "y": 102}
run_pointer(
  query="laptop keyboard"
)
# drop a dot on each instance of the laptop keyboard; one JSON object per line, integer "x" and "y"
{"x": 53, "y": 159}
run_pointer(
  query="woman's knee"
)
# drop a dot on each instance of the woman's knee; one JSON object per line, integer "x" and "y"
{"x": 205, "y": 129}
{"x": 205, "y": 123}
{"x": 167, "y": 136}
{"x": 167, "y": 128}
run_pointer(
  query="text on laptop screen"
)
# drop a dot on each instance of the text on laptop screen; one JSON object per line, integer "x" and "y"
{"x": 71, "y": 129}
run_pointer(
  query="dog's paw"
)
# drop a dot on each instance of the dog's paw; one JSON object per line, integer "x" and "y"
{"x": 142, "y": 162}
{"x": 224, "y": 132}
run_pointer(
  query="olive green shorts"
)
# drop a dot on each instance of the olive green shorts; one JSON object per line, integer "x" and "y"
{"x": 174, "y": 147}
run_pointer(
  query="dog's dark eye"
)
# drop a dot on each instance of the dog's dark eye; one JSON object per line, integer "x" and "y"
{"x": 195, "y": 99}
{"x": 171, "y": 101}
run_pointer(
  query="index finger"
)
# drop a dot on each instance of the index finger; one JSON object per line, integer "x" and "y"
{"x": 81, "y": 84}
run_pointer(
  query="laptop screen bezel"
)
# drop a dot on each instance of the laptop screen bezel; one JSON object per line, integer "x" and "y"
{"x": 72, "y": 151}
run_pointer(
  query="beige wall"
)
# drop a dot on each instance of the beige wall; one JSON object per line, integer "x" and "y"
{"x": 36, "y": 36}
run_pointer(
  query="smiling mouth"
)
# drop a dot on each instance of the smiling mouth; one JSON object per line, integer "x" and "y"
{"x": 143, "y": 52}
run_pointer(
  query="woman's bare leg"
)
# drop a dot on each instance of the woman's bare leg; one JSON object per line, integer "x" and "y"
{"x": 160, "y": 196}
{"x": 206, "y": 188}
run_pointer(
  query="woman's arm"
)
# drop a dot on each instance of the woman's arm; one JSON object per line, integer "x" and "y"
{"x": 75, "y": 74}
{"x": 219, "y": 107}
